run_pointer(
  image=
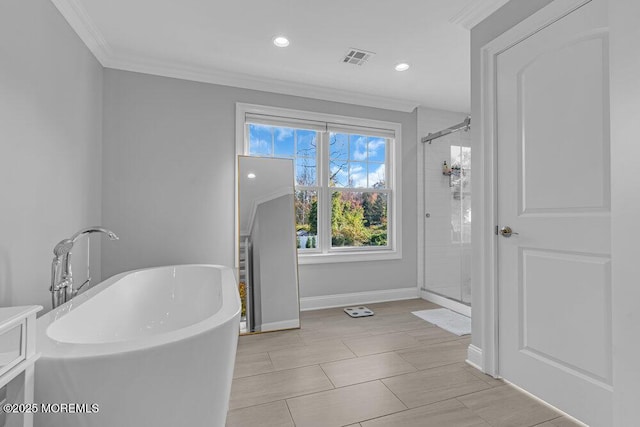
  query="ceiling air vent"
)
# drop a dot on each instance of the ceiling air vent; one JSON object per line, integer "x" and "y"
{"x": 357, "y": 56}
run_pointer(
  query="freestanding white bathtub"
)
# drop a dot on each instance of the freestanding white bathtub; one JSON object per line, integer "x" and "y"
{"x": 153, "y": 347}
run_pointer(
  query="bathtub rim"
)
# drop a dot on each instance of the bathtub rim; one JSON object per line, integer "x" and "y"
{"x": 54, "y": 349}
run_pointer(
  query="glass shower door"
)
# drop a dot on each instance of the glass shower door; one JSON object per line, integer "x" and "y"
{"x": 447, "y": 186}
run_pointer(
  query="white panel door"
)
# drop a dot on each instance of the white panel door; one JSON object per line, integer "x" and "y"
{"x": 554, "y": 191}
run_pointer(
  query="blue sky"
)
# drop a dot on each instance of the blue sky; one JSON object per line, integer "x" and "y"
{"x": 355, "y": 160}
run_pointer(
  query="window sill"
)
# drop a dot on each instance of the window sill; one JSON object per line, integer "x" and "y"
{"x": 335, "y": 257}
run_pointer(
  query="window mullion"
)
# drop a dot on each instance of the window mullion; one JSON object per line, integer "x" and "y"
{"x": 273, "y": 145}
{"x": 324, "y": 225}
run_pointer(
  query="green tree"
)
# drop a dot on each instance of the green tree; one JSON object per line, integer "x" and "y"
{"x": 347, "y": 221}
{"x": 379, "y": 210}
{"x": 367, "y": 207}
{"x": 313, "y": 217}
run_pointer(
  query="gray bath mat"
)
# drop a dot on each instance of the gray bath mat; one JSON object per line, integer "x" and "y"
{"x": 446, "y": 319}
{"x": 360, "y": 311}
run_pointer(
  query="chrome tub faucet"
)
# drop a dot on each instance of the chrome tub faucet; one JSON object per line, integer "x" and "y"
{"x": 62, "y": 289}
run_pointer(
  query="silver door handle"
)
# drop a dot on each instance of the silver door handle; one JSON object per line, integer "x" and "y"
{"x": 506, "y": 231}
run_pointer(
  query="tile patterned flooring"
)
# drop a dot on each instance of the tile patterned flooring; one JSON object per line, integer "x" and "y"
{"x": 392, "y": 369}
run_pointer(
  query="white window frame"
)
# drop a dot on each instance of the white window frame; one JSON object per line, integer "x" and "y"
{"x": 393, "y": 177}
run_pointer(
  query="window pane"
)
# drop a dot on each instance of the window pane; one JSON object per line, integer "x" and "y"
{"x": 306, "y": 205}
{"x": 358, "y": 175}
{"x": 358, "y": 219}
{"x": 376, "y": 173}
{"x": 338, "y": 146}
{"x": 283, "y": 141}
{"x": 338, "y": 173}
{"x": 356, "y": 170}
{"x": 358, "y": 148}
{"x": 306, "y": 171}
{"x": 307, "y": 143}
{"x": 260, "y": 140}
{"x": 376, "y": 149}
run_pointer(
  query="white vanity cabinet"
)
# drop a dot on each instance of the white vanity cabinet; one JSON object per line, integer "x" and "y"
{"x": 17, "y": 358}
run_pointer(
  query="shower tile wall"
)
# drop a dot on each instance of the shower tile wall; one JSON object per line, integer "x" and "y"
{"x": 447, "y": 257}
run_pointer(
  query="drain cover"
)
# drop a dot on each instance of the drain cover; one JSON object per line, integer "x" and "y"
{"x": 360, "y": 311}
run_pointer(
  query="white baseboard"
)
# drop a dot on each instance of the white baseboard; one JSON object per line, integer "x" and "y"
{"x": 344, "y": 300}
{"x": 283, "y": 324}
{"x": 474, "y": 357}
{"x": 456, "y": 306}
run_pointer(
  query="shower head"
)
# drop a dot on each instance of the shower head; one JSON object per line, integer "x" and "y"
{"x": 63, "y": 248}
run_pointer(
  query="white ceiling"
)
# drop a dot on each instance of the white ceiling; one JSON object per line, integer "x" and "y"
{"x": 230, "y": 43}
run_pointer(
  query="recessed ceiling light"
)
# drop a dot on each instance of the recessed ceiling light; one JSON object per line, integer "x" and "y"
{"x": 281, "y": 41}
{"x": 251, "y": 175}
{"x": 403, "y": 66}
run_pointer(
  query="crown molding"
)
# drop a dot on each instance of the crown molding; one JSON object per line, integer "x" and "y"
{"x": 78, "y": 18}
{"x": 475, "y": 12}
{"x": 176, "y": 70}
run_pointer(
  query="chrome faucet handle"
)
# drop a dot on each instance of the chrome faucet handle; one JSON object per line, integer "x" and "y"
{"x": 60, "y": 285}
{"x": 86, "y": 282}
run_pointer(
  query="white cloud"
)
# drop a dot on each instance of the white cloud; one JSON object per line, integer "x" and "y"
{"x": 260, "y": 146}
{"x": 262, "y": 128}
{"x": 359, "y": 152}
{"x": 377, "y": 175}
{"x": 374, "y": 145}
{"x": 283, "y": 133}
{"x": 357, "y": 176}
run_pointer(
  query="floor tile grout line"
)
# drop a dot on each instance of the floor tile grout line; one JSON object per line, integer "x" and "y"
{"x": 431, "y": 367}
{"x": 486, "y": 420}
{"x": 474, "y": 412}
{"x": 294, "y": 396}
{"x": 287, "y": 398}
{"x": 276, "y": 370}
{"x": 317, "y": 392}
{"x": 290, "y": 413}
{"x": 327, "y": 375}
{"x": 365, "y": 381}
{"x": 386, "y": 351}
{"x": 397, "y": 397}
{"x": 422, "y": 406}
{"x": 311, "y": 364}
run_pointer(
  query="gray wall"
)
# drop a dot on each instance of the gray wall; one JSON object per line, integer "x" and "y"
{"x": 168, "y": 181}
{"x": 275, "y": 269}
{"x": 50, "y": 139}
{"x": 500, "y": 21}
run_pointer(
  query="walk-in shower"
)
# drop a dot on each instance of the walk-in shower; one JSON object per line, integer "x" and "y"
{"x": 447, "y": 222}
